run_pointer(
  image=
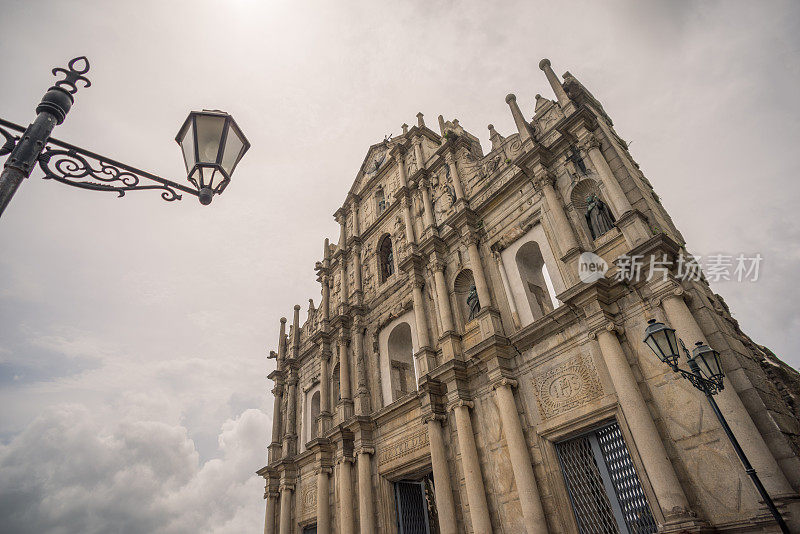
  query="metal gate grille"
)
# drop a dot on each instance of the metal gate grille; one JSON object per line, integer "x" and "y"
{"x": 412, "y": 508}
{"x": 585, "y": 485}
{"x": 629, "y": 492}
{"x": 605, "y": 491}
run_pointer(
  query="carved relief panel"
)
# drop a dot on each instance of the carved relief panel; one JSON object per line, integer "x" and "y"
{"x": 567, "y": 386}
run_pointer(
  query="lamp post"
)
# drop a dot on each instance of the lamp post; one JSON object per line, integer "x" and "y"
{"x": 706, "y": 374}
{"x": 211, "y": 141}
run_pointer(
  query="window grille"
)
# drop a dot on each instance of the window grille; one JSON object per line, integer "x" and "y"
{"x": 605, "y": 491}
{"x": 412, "y": 508}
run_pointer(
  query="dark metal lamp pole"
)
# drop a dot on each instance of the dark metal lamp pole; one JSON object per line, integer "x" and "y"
{"x": 706, "y": 374}
{"x": 211, "y": 141}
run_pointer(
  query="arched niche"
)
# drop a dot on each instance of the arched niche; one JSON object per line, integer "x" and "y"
{"x": 380, "y": 201}
{"x": 580, "y": 192}
{"x": 314, "y": 414}
{"x": 335, "y": 386}
{"x": 311, "y": 409}
{"x": 461, "y": 287}
{"x": 385, "y": 258}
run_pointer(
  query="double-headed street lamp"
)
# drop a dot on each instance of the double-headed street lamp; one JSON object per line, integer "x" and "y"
{"x": 211, "y": 141}
{"x": 706, "y": 374}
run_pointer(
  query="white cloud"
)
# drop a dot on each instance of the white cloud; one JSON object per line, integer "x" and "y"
{"x": 67, "y": 473}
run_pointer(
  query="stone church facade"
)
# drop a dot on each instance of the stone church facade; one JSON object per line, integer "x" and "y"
{"x": 459, "y": 376}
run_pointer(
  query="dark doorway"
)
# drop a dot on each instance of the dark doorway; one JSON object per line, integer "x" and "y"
{"x": 311, "y": 529}
{"x": 416, "y": 506}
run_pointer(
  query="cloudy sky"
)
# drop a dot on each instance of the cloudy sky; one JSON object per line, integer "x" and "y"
{"x": 133, "y": 332}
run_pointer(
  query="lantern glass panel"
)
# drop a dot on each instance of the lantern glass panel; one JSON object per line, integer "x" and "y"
{"x": 661, "y": 340}
{"x": 209, "y": 137}
{"x": 187, "y": 145}
{"x": 234, "y": 149}
{"x": 708, "y": 361}
{"x": 211, "y": 177}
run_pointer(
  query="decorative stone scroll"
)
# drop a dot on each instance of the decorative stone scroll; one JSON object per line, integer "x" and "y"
{"x": 567, "y": 386}
{"x": 404, "y": 446}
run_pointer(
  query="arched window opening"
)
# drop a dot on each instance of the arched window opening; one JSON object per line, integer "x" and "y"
{"x": 314, "y": 415}
{"x": 536, "y": 280}
{"x": 380, "y": 201}
{"x": 401, "y": 361}
{"x": 385, "y": 258}
{"x": 466, "y": 296}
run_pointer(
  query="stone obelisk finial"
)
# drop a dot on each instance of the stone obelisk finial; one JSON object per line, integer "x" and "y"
{"x": 558, "y": 89}
{"x": 519, "y": 120}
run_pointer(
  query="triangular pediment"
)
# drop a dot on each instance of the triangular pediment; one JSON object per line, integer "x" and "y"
{"x": 377, "y": 156}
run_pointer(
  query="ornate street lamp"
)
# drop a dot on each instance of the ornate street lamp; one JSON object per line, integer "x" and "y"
{"x": 212, "y": 145}
{"x": 211, "y": 141}
{"x": 706, "y": 374}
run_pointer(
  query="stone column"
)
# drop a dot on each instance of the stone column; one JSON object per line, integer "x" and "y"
{"x": 286, "y": 508}
{"x": 410, "y": 237}
{"x": 443, "y": 297}
{"x": 323, "y": 506}
{"x": 659, "y": 469}
{"x": 521, "y": 464}
{"x": 324, "y": 391}
{"x": 427, "y": 216}
{"x": 345, "y": 496}
{"x": 418, "y": 152}
{"x": 362, "y": 391}
{"x": 616, "y": 196}
{"x": 476, "y": 266}
{"x": 296, "y": 333}
{"x": 356, "y": 225}
{"x": 282, "y": 341}
{"x": 419, "y": 313}
{"x": 269, "y": 518}
{"x": 522, "y": 125}
{"x": 326, "y": 298}
{"x": 291, "y": 415}
{"x": 401, "y": 168}
{"x": 476, "y": 492}
{"x": 277, "y": 393}
{"x": 344, "y": 370}
{"x": 746, "y": 432}
{"x": 451, "y": 163}
{"x": 558, "y": 89}
{"x": 357, "y": 271}
{"x": 366, "y": 512}
{"x": 343, "y": 260}
{"x": 418, "y": 217}
{"x": 563, "y": 229}
{"x": 342, "y": 220}
{"x": 507, "y": 288}
{"x": 441, "y": 477}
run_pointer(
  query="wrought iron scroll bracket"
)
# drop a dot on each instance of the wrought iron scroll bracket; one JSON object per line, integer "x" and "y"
{"x": 79, "y": 169}
{"x": 693, "y": 375}
{"x": 72, "y": 165}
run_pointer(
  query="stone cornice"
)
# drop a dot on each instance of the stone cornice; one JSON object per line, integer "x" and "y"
{"x": 538, "y": 330}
